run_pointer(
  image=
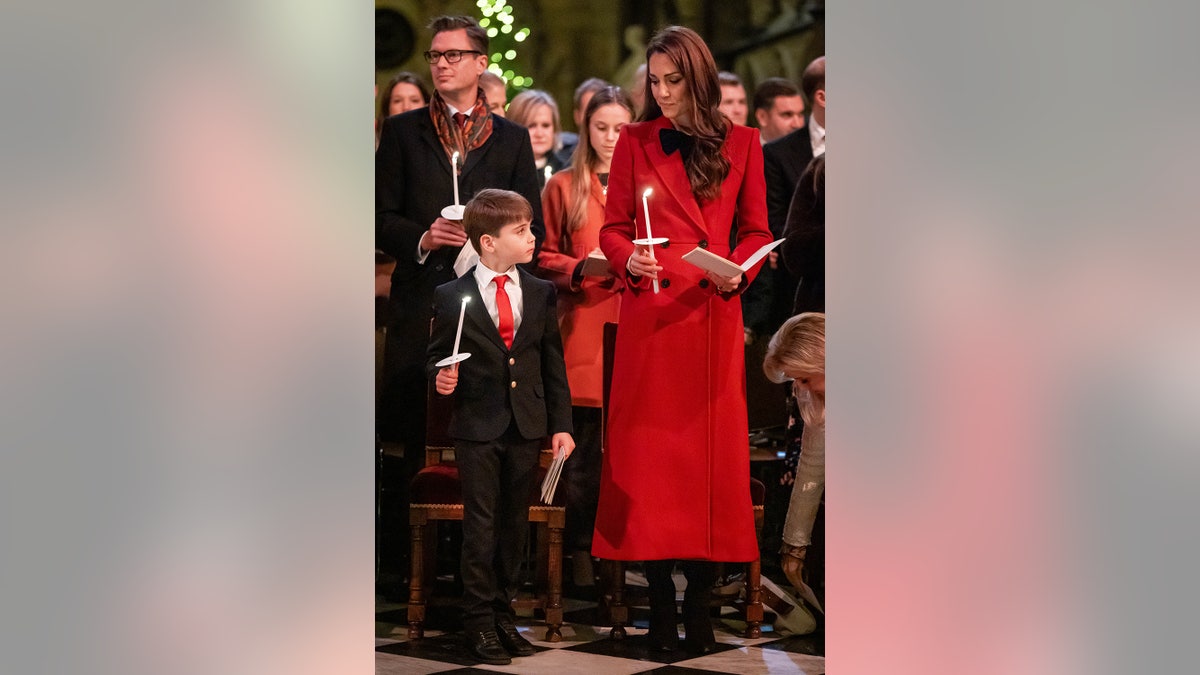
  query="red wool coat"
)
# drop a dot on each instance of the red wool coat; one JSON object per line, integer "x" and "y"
{"x": 676, "y": 474}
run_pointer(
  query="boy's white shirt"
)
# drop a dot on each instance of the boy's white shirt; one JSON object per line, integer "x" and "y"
{"x": 486, "y": 279}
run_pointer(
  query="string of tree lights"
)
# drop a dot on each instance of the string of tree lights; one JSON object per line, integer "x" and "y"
{"x": 496, "y": 16}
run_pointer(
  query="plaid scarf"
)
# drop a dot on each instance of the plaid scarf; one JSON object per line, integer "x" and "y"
{"x": 475, "y": 134}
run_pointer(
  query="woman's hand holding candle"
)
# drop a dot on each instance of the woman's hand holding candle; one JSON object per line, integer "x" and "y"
{"x": 643, "y": 264}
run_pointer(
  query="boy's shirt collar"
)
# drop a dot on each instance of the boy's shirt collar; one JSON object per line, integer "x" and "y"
{"x": 484, "y": 275}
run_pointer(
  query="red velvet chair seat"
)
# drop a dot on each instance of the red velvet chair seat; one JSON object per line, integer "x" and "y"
{"x": 441, "y": 484}
{"x": 437, "y": 484}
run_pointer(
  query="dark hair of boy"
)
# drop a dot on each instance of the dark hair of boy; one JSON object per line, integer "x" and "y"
{"x": 490, "y": 210}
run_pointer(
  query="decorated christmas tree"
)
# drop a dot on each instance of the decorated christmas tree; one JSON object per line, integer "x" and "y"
{"x": 505, "y": 39}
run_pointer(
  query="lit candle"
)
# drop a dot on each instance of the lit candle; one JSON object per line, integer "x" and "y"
{"x": 649, "y": 236}
{"x": 461, "y": 313}
{"x": 546, "y": 172}
{"x": 454, "y": 161}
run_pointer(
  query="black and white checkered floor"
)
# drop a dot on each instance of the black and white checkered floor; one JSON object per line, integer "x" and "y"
{"x": 586, "y": 648}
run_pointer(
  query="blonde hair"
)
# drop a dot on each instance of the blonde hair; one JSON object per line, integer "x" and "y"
{"x": 523, "y": 106}
{"x": 799, "y": 347}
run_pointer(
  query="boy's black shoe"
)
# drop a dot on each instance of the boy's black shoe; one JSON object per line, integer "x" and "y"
{"x": 512, "y": 641}
{"x": 485, "y": 646}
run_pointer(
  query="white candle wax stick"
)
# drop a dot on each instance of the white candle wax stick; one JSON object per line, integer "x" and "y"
{"x": 461, "y": 313}
{"x": 454, "y": 161}
{"x": 649, "y": 235}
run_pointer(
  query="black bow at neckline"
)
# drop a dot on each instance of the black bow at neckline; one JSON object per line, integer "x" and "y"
{"x": 674, "y": 139}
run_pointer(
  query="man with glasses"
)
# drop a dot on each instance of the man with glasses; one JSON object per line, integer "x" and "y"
{"x": 414, "y": 181}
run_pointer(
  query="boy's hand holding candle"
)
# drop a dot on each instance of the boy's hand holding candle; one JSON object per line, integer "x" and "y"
{"x": 447, "y": 380}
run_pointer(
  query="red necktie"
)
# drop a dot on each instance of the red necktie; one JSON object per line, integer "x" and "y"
{"x": 504, "y": 308}
{"x": 461, "y": 120}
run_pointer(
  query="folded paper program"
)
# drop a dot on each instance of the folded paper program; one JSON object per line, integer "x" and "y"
{"x": 714, "y": 263}
{"x": 550, "y": 484}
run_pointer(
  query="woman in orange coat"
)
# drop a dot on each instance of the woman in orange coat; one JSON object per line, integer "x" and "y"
{"x": 573, "y": 206}
{"x": 676, "y": 477}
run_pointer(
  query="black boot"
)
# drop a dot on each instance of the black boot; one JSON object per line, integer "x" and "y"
{"x": 697, "y": 623}
{"x": 664, "y": 636}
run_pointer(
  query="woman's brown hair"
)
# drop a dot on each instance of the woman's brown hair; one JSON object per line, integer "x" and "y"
{"x": 706, "y": 166}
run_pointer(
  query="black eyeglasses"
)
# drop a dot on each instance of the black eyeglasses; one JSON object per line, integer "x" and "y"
{"x": 451, "y": 55}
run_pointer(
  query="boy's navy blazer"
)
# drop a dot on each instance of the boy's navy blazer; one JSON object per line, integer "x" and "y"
{"x": 527, "y": 383}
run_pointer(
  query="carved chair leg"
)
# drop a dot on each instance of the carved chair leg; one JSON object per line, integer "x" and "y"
{"x": 754, "y": 608}
{"x": 542, "y": 558}
{"x": 416, "y": 583}
{"x": 554, "y": 608}
{"x": 618, "y": 611}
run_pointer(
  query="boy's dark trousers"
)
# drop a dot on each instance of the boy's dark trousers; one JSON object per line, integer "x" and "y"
{"x": 497, "y": 481}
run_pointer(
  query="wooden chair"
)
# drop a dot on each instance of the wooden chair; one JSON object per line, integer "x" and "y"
{"x": 613, "y": 599}
{"x": 436, "y": 495}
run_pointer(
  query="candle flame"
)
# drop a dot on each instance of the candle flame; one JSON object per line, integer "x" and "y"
{"x": 454, "y": 159}
{"x": 466, "y": 299}
{"x": 647, "y": 192}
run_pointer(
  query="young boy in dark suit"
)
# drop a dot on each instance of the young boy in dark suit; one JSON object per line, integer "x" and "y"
{"x": 509, "y": 396}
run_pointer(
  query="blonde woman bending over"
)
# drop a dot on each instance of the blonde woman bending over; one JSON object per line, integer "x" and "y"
{"x": 797, "y": 353}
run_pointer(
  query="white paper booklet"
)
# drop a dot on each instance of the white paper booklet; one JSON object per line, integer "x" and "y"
{"x": 714, "y": 263}
{"x": 550, "y": 484}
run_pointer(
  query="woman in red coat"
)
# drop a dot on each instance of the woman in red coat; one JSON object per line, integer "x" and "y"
{"x": 573, "y": 206}
{"x": 676, "y": 477}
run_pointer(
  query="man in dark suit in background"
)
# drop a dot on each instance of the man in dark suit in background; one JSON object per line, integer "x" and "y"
{"x": 413, "y": 182}
{"x": 784, "y": 160}
{"x": 509, "y": 396}
{"x": 778, "y": 108}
